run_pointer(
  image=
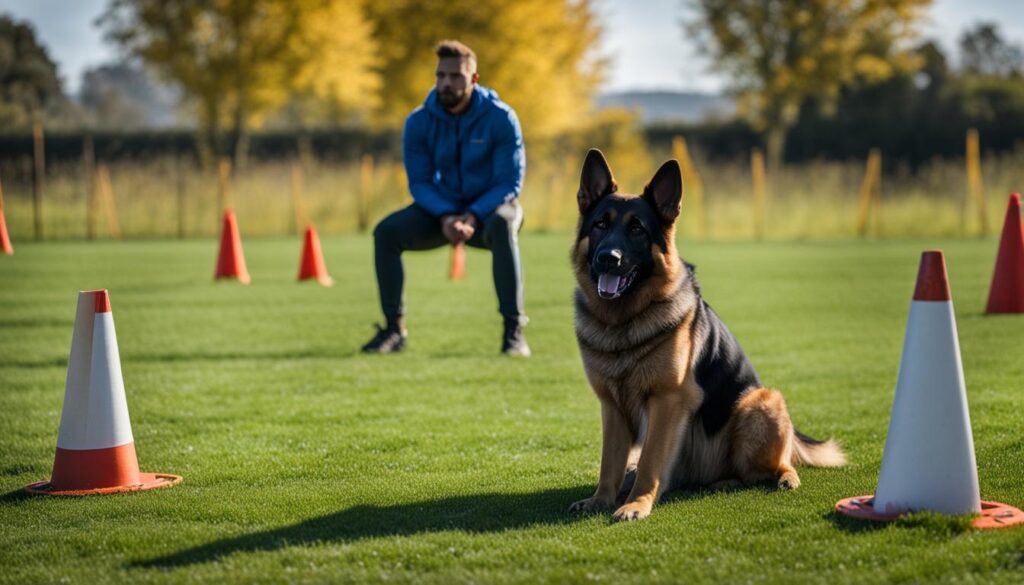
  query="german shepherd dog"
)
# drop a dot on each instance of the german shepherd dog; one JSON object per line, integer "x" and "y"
{"x": 681, "y": 405}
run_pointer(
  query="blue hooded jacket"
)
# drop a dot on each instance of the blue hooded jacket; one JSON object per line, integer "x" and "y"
{"x": 472, "y": 162}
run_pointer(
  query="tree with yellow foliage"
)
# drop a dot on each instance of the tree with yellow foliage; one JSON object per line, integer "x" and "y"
{"x": 779, "y": 53}
{"x": 539, "y": 55}
{"x": 238, "y": 60}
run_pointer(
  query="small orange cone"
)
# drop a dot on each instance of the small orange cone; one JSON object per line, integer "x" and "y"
{"x": 5, "y": 240}
{"x": 95, "y": 448}
{"x": 1007, "y": 292}
{"x": 928, "y": 462}
{"x": 231, "y": 262}
{"x": 312, "y": 263}
{"x": 457, "y": 270}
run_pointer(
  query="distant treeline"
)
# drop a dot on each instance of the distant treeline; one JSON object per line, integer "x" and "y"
{"x": 915, "y": 124}
{"x": 911, "y": 124}
{"x": 337, "y": 144}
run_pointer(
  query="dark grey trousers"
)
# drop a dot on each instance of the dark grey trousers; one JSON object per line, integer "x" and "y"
{"x": 413, "y": 228}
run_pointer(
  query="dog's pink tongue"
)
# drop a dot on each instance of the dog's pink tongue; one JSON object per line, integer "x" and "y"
{"x": 608, "y": 283}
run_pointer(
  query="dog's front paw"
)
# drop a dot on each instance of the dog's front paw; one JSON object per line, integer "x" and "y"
{"x": 789, "y": 481}
{"x": 632, "y": 511}
{"x": 591, "y": 504}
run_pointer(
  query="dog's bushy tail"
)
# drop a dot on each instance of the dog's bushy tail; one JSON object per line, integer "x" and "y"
{"x": 808, "y": 451}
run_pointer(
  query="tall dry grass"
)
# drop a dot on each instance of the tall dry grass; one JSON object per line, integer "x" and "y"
{"x": 809, "y": 201}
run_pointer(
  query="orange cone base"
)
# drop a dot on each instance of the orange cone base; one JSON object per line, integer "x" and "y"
{"x": 323, "y": 280}
{"x": 147, "y": 481}
{"x": 993, "y": 514}
{"x": 242, "y": 278}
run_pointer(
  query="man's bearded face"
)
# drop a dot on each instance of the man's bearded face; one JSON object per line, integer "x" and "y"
{"x": 455, "y": 80}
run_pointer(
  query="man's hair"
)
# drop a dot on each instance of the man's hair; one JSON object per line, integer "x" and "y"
{"x": 452, "y": 48}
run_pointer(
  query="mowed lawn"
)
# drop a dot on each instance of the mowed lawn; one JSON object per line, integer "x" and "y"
{"x": 305, "y": 461}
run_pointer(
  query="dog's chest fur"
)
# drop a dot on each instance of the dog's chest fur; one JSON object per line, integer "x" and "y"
{"x": 625, "y": 361}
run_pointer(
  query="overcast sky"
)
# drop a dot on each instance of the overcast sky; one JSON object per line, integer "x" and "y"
{"x": 645, "y": 37}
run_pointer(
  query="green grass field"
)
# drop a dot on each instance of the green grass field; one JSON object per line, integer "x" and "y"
{"x": 305, "y": 461}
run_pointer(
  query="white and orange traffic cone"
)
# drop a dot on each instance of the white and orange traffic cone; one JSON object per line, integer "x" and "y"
{"x": 928, "y": 462}
{"x": 95, "y": 448}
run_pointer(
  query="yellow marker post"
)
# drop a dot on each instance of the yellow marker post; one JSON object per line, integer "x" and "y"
{"x": 298, "y": 201}
{"x": 179, "y": 184}
{"x": 975, "y": 189}
{"x": 106, "y": 192}
{"x": 223, "y": 187}
{"x": 553, "y": 207}
{"x": 693, "y": 187}
{"x": 870, "y": 191}
{"x": 38, "y": 174}
{"x": 365, "y": 192}
{"x": 758, "y": 174}
{"x": 88, "y": 164}
{"x": 877, "y": 196}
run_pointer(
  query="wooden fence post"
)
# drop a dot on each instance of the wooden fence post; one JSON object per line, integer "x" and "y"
{"x": 365, "y": 193}
{"x": 179, "y": 172}
{"x": 223, "y": 186}
{"x": 88, "y": 166}
{"x": 106, "y": 192}
{"x": 975, "y": 189}
{"x": 757, "y": 172}
{"x": 39, "y": 170}
{"x": 870, "y": 191}
{"x": 554, "y": 201}
{"x": 298, "y": 203}
{"x": 693, "y": 187}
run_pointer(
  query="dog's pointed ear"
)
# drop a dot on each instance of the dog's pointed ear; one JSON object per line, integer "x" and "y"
{"x": 665, "y": 191}
{"x": 596, "y": 180}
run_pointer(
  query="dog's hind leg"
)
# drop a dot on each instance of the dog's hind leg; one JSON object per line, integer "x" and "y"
{"x": 762, "y": 436}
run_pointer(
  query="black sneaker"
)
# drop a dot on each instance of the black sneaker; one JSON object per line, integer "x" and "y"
{"x": 387, "y": 340}
{"x": 513, "y": 342}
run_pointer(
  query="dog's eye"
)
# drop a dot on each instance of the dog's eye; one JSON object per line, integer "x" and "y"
{"x": 601, "y": 224}
{"x": 636, "y": 229}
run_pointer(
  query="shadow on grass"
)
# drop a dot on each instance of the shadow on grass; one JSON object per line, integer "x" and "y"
{"x": 62, "y": 361}
{"x": 932, "y": 522}
{"x": 53, "y": 362}
{"x": 483, "y": 513}
{"x": 472, "y": 513}
{"x": 853, "y": 525}
{"x": 17, "y": 469}
{"x": 206, "y": 356}
{"x": 33, "y": 323}
{"x": 15, "y": 496}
